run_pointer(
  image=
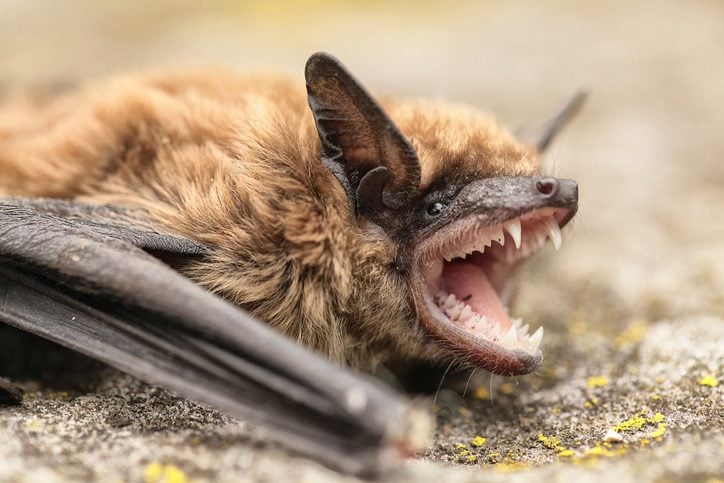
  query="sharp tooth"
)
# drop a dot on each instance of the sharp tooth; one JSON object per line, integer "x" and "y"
{"x": 450, "y": 301}
{"x": 535, "y": 339}
{"x": 495, "y": 332}
{"x": 454, "y": 313}
{"x": 466, "y": 313}
{"x": 513, "y": 227}
{"x": 510, "y": 338}
{"x": 554, "y": 233}
{"x": 523, "y": 331}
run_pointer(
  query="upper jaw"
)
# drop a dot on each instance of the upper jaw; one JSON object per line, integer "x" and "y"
{"x": 495, "y": 240}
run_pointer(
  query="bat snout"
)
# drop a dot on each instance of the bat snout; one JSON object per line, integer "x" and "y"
{"x": 557, "y": 192}
{"x": 564, "y": 190}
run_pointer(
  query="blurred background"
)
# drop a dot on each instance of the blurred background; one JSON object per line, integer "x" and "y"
{"x": 645, "y": 256}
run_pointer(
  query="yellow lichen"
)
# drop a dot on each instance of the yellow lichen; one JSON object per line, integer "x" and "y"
{"x": 708, "y": 380}
{"x": 634, "y": 333}
{"x": 554, "y": 443}
{"x": 174, "y": 475}
{"x": 659, "y": 431}
{"x": 591, "y": 402}
{"x": 506, "y": 388}
{"x": 567, "y": 452}
{"x": 153, "y": 472}
{"x": 472, "y": 458}
{"x": 595, "y": 451}
{"x": 478, "y": 441}
{"x": 606, "y": 450}
{"x": 158, "y": 473}
{"x": 590, "y": 456}
{"x": 657, "y": 418}
{"x": 638, "y": 422}
{"x": 549, "y": 441}
{"x": 510, "y": 466}
{"x": 481, "y": 393}
{"x": 597, "y": 381}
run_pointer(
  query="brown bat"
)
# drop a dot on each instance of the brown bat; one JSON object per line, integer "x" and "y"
{"x": 151, "y": 222}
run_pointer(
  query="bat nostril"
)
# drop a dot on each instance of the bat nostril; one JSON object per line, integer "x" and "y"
{"x": 547, "y": 186}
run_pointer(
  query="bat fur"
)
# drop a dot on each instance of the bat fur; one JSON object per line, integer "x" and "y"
{"x": 233, "y": 161}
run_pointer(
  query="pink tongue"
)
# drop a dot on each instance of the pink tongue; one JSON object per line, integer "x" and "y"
{"x": 468, "y": 283}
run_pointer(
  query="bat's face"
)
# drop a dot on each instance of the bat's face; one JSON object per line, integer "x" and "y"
{"x": 463, "y": 202}
{"x": 474, "y": 219}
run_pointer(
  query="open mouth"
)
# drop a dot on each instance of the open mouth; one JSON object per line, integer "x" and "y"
{"x": 464, "y": 277}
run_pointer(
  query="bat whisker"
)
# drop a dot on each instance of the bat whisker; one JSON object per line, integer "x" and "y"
{"x": 467, "y": 384}
{"x": 442, "y": 379}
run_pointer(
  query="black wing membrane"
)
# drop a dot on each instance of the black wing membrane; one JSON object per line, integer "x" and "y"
{"x": 77, "y": 276}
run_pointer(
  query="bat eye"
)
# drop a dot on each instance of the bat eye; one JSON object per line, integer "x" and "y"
{"x": 435, "y": 209}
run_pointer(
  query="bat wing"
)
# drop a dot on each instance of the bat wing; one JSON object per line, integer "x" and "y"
{"x": 80, "y": 276}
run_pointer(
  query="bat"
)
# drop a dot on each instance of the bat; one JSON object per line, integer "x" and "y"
{"x": 256, "y": 247}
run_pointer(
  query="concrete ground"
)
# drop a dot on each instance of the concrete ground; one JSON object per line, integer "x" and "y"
{"x": 633, "y": 304}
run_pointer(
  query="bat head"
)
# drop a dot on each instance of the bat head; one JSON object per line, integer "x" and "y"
{"x": 463, "y": 216}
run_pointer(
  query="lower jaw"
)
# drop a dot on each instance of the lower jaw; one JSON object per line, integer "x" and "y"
{"x": 466, "y": 348}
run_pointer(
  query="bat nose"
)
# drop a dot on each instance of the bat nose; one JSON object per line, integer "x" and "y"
{"x": 548, "y": 187}
{"x": 559, "y": 192}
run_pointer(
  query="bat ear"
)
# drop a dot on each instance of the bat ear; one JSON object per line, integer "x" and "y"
{"x": 360, "y": 143}
{"x": 543, "y": 134}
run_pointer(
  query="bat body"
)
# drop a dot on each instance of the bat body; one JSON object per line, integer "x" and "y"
{"x": 367, "y": 233}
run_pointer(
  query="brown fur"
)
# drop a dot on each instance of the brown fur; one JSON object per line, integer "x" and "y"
{"x": 233, "y": 161}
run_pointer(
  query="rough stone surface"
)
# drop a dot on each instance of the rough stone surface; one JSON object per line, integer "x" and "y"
{"x": 633, "y": 304}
